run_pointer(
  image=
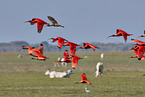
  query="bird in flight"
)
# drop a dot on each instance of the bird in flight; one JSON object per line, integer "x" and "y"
{"x": 60, "y": 40}
{"x": 84, "y": 79}
{"x": 88, "y": 45}
{"x": 40, "y": 23}
{"x": 54, "y": 22}
{"x": 75, "y": 59}
{"x": 72, "y": 47}
{"x": 38, "y": 55}
{"x": 140, "y": 49}
{"x": 120, "y": 32}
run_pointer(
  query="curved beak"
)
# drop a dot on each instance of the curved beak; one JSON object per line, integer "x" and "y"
{"x": 25, "y": 22}
{"x": 108, "y": 37}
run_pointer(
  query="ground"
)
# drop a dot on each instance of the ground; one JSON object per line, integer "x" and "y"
{"x": 24, "y": 77}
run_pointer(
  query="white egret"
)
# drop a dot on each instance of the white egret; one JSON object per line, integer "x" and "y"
{"x": 87, "y": 91}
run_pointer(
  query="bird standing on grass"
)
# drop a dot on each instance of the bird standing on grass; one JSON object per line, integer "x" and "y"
{"x": 87, "y": 91}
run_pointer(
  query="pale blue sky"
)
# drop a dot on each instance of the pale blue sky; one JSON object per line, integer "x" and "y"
{"x": 84, "y": 20}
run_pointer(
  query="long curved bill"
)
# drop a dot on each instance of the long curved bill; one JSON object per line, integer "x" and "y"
{"x": 25, "y": 22}
{"x": 108, "y": 37}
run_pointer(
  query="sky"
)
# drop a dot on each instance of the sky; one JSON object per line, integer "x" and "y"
{"x": 84, "y": 20}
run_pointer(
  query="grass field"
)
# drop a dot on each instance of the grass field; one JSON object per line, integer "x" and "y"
{"x": 23, "y": 77}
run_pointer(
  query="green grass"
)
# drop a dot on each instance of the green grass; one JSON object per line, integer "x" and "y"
{"x": 23, "y": 77}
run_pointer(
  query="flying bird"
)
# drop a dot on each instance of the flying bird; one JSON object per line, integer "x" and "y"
{"x": 140, "y": 48}
{"x": 75, "y": 59}
{"x": 72, "y": 47}
{"x": 41, "y": 48}
{"x": 30, "y": 52}
{"x": 88, "y": 45}
{"x": 40, "y": 23}
{"x": 66, "y": 57}
{"x": 54, "y": 22}
{"x": 60, "y": 40}
{"x": 84, "y": 79}
{"x": 87, "y": 91}
{"x": 38, "y": 55}
{"x": 120, "y": 32}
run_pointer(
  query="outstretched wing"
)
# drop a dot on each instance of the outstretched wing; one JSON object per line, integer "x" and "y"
{"x": 124, "y": 36}
{"x": 92, "y": 46}
{"x": 39, "y": 27}
{"x": 138, "y": 41}
{"x": 52, "y": 20}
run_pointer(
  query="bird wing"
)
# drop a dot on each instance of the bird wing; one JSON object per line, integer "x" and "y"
{"x": 140, "y": 52}
{"x": 52, "y": 20}
{"x": 92, "y": 46}
{"x": 60, "y": 44}
{"x": 124, "y": 36}
{"x": 138, "y": 41}
{"x": 37, "y": 52}
{"x": 40, "y": 26}
{"x": 74, "y": 61}
{"x": 144, "y": 31}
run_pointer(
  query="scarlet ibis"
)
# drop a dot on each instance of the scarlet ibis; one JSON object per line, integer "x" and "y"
{"x": 84, "y": 79}
{"x": 38, "y": 55}
{"x": 120, "y": 32}
{"x": 41, "y": 48}
{"x": 135, "y": 50}
{"x": 60, "y": 40}
{"x": 40, "y": 23}
{"x": 72, "y": 47}
{"x": 75, "y": 59}
{"x": 66, "y": 57}
{"x": 140, "y": 49}
{"x": 54, "y": 22}
{"x": 30, "y": 52}
{"x": 88, "y": 45}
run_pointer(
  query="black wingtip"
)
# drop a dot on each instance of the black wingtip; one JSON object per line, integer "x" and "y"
{"x": 132, "y": 39}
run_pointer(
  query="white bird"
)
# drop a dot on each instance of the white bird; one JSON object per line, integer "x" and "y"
{"x": 87, "y": 91}
{"x": 102, "y": 56}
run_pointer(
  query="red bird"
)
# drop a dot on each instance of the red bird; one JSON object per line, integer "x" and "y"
{"x": 88, "y": 45}
{"x": 84, "y": 79}
{"x": 134, "y": 49}
{"x": 38, "y": 55}
{"x": 41, "y": 48}
{"x": 75, "y": 61}
{"x": 142, "y": 35}
{"x": 120, "y": 33}
{"x": 40, "y": 23}
{"x": 60, "y": 41}
{"x": 66, "y": 57}
{"x": 140, "y": 48}
{"x": 72, "y": 47}
{"x": 30, "y": 52}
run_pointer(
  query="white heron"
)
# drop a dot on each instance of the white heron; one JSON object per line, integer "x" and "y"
{"x": 87, "y": 91}
{"x": 102, "y": 56}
